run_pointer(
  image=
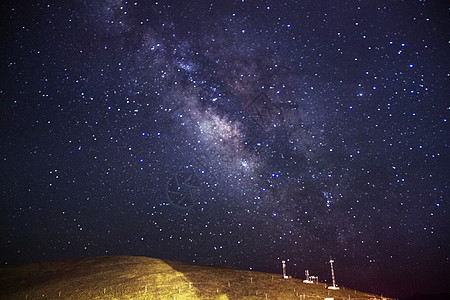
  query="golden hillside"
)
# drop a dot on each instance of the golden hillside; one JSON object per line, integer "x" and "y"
{"x": 129, "y": 277}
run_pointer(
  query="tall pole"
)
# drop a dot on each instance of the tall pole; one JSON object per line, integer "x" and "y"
{"x": 332, "y": 273}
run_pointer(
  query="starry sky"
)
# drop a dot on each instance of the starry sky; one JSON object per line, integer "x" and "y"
{"x": 230, "y": 132}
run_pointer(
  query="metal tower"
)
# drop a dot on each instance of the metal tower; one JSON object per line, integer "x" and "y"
{"x": 284, "y": 270}
{"x": 334, "y": 287}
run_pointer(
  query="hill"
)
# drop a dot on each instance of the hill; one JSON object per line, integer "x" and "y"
{"x": 129, "y": 277}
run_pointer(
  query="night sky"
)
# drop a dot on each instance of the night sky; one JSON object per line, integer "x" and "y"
{"x": 230, "y": 132}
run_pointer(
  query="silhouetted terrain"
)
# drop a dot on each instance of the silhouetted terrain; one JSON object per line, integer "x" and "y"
{"x": 428, "y": 297}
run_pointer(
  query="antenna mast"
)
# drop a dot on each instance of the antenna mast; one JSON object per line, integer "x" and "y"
{"x": 284, "y": 270}
{"x": 334, "y": 287}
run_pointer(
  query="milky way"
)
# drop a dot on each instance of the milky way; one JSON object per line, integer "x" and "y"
{"x": 230, "y": 132}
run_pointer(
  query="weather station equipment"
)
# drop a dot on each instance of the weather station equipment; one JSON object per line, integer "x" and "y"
{"x": 307, "y": 277}
{"x": 284, "y": 269}
{"x": 332, "y": 287}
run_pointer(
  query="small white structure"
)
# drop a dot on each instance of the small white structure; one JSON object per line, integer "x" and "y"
{"x": 284, "y": 269}
{"x": 310, "y": 279}
{"x": 307, "y": 277}
{"x": 332, "y": 287}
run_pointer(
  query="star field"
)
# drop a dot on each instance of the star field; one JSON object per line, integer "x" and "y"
{"x": 230, "y": 132}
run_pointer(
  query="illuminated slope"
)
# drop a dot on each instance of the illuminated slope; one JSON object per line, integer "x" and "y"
{"x": 128, "y": 277}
